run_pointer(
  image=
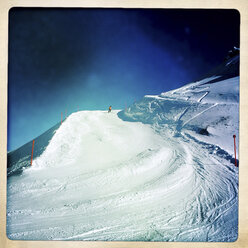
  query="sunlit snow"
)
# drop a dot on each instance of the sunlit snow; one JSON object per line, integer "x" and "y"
{"x": 148, "y": 173}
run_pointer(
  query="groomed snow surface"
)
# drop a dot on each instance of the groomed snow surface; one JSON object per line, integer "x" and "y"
{"x": 144, "y": 174}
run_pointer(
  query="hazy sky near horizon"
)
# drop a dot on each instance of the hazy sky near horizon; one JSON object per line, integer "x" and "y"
{"x": 65, "y": 60}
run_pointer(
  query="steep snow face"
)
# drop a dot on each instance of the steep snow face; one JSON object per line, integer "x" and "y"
{"x": 102, "y": 178}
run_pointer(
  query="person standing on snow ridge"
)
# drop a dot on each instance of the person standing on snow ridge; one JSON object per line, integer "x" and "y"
{"x": 109, "y": 110}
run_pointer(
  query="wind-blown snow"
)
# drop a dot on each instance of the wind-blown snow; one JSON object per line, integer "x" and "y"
{"x": 161, "y": 171}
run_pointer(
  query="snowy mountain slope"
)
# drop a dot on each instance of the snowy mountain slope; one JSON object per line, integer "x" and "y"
{"x": 207, "y": 111}
{"x": 20, "y": 158}
{"x": 162, "y": 170}
{"x": 104, "y": 179}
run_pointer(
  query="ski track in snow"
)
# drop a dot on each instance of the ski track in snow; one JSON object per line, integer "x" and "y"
{"x": 200, "y": 99}
{"x": 186, "y": 122}
{"x": 104, "y": 179}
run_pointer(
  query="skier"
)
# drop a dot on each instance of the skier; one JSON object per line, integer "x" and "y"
{"x": 109, "y": 110}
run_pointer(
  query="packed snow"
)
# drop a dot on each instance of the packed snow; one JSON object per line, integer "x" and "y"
{"x": 162, "y": 170}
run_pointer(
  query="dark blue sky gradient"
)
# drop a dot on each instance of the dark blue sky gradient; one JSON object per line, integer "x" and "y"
{"x": 65, "y": 59}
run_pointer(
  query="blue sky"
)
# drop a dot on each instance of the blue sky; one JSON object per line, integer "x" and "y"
{"x": 87, "y": 59}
